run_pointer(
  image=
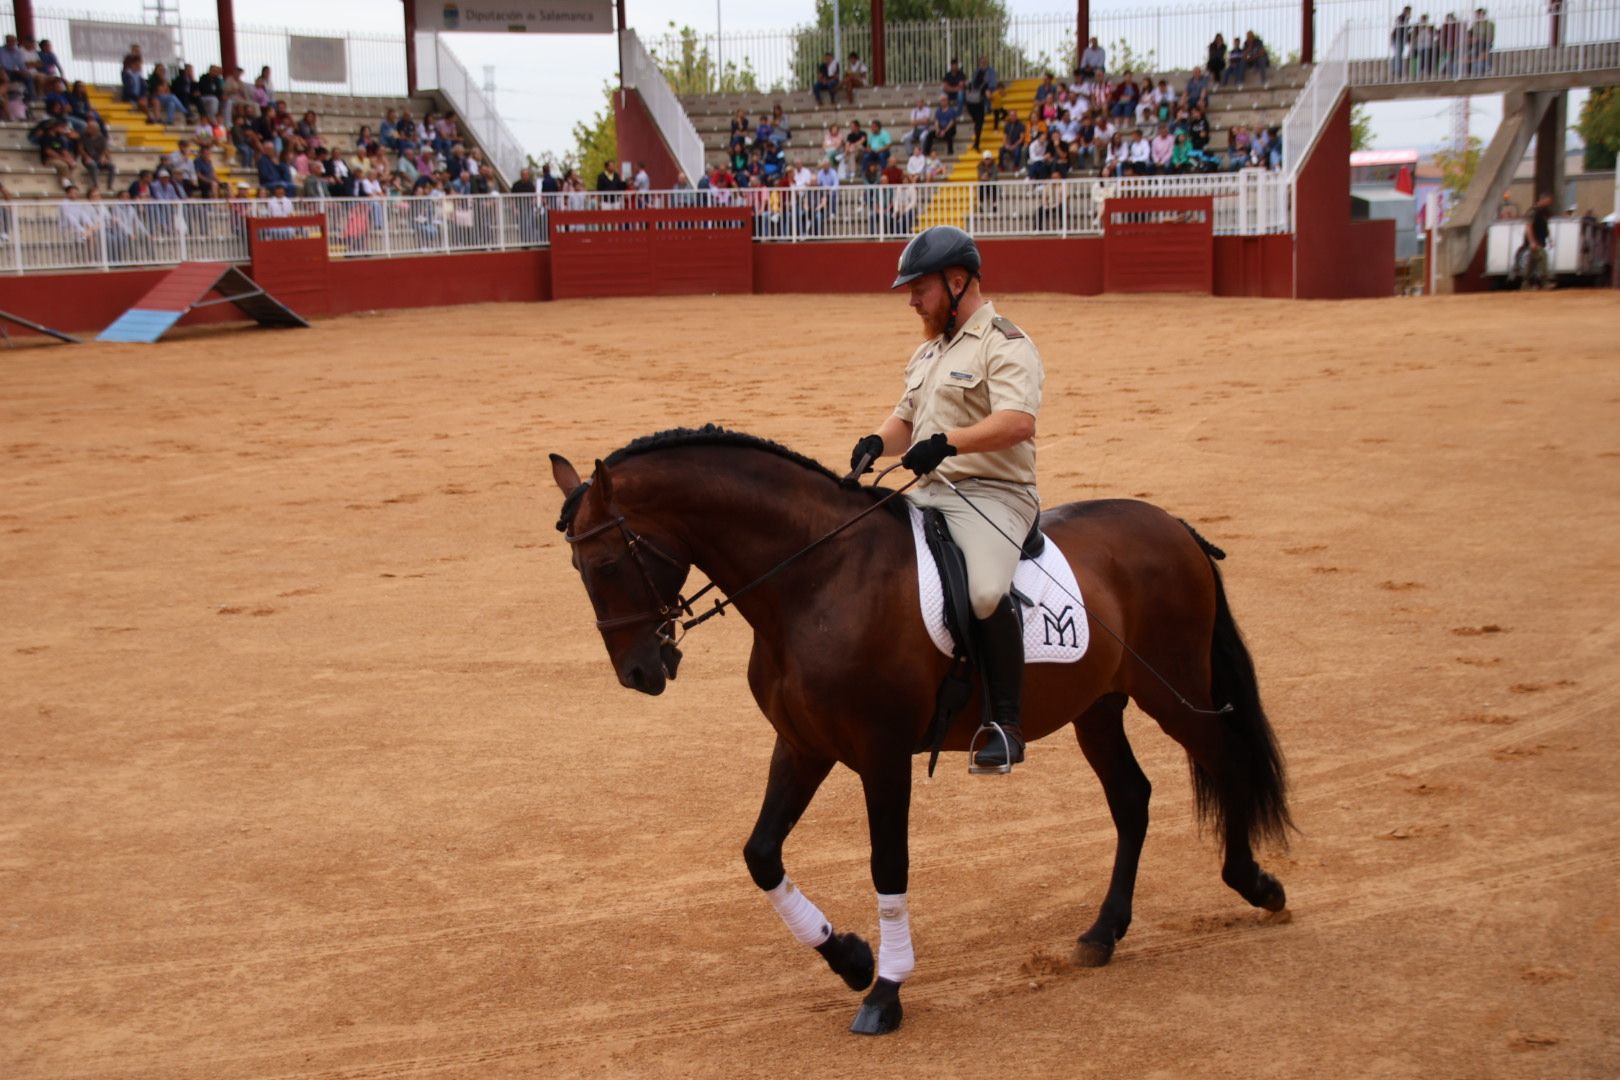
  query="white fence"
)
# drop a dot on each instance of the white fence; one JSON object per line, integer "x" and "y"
{"x": 105, "y": 235}
{"x": 642, "y": 75}
{"x": 372, "y": 64}
{"x": 1315, "y": 103}
{"x": 1537, "y": 39}
{"x": 477, "y": 113}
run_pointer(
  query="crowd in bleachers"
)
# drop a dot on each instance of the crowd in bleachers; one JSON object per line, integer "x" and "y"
{"x": 1091, "y": 125}
{"x": 231, "y": 121}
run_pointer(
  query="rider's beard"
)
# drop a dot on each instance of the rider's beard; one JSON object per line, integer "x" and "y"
{"x": 934, "y": 321}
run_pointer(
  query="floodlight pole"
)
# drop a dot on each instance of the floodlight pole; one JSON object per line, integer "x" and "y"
{"x": 227, "y": 36}
{"x": 410, "y": 48}
{"x": 880, "y": 50}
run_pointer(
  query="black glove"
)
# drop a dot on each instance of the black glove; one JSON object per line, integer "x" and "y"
{"x": 924, "y": 457}
{"x": 871, "y": 448}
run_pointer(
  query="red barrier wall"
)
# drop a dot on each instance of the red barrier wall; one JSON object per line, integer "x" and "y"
{"x": 653, "y": 252}
{"x": 290, "y": 261}
{"x": 1159, "y": 244}
{"x": 640, "y": 140}
{"x": 1254, "y": 266}
{"x": 1327, "y": 249}
{"x": 1014, "y": 265}
{"x": 90, "y": 301}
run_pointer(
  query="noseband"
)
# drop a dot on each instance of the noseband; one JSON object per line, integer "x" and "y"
{"x": 668, "y": 614}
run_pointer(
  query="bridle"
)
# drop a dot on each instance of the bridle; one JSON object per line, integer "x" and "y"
{"x": 668, "y": 613}
{"x": 669, "y": 627}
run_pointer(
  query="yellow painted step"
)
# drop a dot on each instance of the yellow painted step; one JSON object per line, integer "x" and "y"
{"x": 953, "y": 205}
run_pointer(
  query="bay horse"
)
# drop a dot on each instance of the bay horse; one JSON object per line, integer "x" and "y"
{"x": 843, "y": 667}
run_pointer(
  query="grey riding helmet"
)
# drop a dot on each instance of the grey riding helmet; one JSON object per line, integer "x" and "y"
{"x": 935, "y": 250}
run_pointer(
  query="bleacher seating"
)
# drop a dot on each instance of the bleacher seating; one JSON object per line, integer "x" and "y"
{"x": 341, "y": 118}
{"x": 711, "y": 114}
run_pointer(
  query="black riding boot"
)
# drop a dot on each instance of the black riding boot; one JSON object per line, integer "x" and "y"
{"x": 1000, "y": 641}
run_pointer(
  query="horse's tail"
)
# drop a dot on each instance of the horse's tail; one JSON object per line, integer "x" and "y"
{"x": 1253, "y": 794}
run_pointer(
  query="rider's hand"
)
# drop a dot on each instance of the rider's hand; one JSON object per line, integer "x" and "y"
{"x": 871, "y": 448}
{"x": 925, "y": 457}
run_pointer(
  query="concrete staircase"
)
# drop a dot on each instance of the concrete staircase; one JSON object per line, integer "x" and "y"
{"x": 1018, "y": 99}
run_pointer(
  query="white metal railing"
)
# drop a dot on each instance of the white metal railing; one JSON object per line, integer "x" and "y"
{"x": 477, "y": 113}
{"x": 373, "y": 64}
{"x": 641, "y": 73}
{"x": 1315, "y": 103}
{"x": 84, "y": 234}
{"x": 1158, "y": 39}
{"x": 1538, "y": 39}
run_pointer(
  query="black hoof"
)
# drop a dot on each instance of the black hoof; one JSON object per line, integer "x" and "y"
{"x": 851, "y": 958}
{"x": 1269, "y": 893}
{"x": 880, "y": 1012}
{"x": 1093, "y": 954}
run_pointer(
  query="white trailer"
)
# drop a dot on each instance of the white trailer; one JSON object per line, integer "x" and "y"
{"x": 1578, "y": 249}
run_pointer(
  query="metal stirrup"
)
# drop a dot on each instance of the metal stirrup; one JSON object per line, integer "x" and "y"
{"x": 975, "y": 769}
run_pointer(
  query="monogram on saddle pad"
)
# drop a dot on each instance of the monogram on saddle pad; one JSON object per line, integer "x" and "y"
{"x": 1058, "y": 636}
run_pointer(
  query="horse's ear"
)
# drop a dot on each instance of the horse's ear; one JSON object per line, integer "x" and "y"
{"x": 564, "y": 473}
{"x": 602, "y": 481}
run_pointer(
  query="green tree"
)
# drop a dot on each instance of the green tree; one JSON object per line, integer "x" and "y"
{"x": 689, "y": 69}
{"x": 1457, "y": 167}
{"x": 1599, "y": 126}
{"x": 1361, "y": 132}
{"x": 596, "y": 141}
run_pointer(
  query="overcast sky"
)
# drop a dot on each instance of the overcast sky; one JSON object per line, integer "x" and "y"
{"x": 547, "y": 83}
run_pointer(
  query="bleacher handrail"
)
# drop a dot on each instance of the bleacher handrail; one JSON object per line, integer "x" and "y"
{"x": 44, "y": 235}
{"x": 477, "y": 113}
{"x": 642, "y": 74}
{"x": 1315, "y": 103}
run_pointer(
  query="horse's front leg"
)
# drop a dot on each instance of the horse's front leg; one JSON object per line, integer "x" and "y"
{"x": 793, "y": 781}
{"x": 888, "y": 809}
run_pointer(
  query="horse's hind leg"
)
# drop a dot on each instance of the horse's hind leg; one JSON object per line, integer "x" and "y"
{"x": 1227, "y": 782}
{"x": 1101, "y": 731}
{"x": 793, "y": 781}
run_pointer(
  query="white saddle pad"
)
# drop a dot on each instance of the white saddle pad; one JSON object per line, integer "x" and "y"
{"x": 1056, "y": 630}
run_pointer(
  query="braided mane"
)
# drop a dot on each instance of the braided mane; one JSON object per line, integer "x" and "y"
{"x": 708, "y": 435}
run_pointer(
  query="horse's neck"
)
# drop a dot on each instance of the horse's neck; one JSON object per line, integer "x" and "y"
{"x": 738, "y": 524}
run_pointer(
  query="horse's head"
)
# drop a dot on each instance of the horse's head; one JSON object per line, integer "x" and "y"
{"x": 633, "y": 578}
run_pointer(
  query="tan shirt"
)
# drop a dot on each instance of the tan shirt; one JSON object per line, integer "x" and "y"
{"x": 990, "y": 366}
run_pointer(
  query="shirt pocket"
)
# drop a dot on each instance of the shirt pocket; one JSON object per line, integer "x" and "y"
{"x": 963, "y": 395}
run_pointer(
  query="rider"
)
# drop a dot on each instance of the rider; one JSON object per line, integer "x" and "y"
{"x": 973, "y": 390}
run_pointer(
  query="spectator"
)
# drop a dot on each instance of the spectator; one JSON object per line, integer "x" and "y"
{"x": 14, "y": 62}
{"x": 235, "y": 94}
{"x": 206, "y": 179}
{"x": 609, "y": 179}
{"x": 934, "y": 170}
{"x": 855, "y": 73}
{"x": 1423, "y": 48}
{"x": 13, "y": 101}
{"x": 1256, "y": 57}
{"x": 1163, "y": 148}
{"x": 1198, "y": 129}
{"x": 1481, "y": 40}
{"x": 126, "y": 229}
{"x": 96, "y": 157}
{"x": 832, "y": 144}
{"x": 1198, "y": 89}
{"x": 987, "y": 176}
{"x": 1014, "y": 145}
{"x": 917, "y": 163}
{"x": 263, "y": 92}
{"x": 59, "y": 148}
{"x": 164, "y": 189}
{"x": 1045, "y": 89}
{"x": 1451, "y": 46}
{"x": 953, "y": 83}
{"x": 854, "y": 149}
{"x": 903, "y": 208}
{"x": 983, "y": 83}
{"x": 1093, "y": 59}
{"x": 1400, "y": 38}
{"x": 1215, "y": 61}
{"x": 309, "y": 130}
{"x": 878, "y": 143}
{"x": 827, "y": 80}
{"x": 210, "y": 90}
{"x": 922, "y": 118}
{"x": 279, "y": 205}
{"x": 781, "y": 131}
{"x": 1038, "y": 163}
{"x": 944, "y": 126}
{"x": 50, "y": 66}
{"x": 643, "y": 182}
{"x": 1117, "y": 163}
{"x": 1125, "y": 98}
{"x": 133, "y": 88}
{"x": 1141, "y": 155}
{"x": 140, "y": 188}
{"x": 183, "y": 84}
{"x": 82, "y": 221}
{"x": 161, "y": 93}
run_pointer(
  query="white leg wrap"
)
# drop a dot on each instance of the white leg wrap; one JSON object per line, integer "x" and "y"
{"x": 895, "y": 957}
{"x": 803, "y": 918}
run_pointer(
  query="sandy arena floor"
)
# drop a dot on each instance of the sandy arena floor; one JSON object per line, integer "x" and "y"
{"x": 314, "y": 765}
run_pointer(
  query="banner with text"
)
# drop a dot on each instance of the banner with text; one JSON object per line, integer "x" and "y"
{"x": 515, "y": 16}
{"x": 317, "y": 59}
{"x": 94, "y": 39}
